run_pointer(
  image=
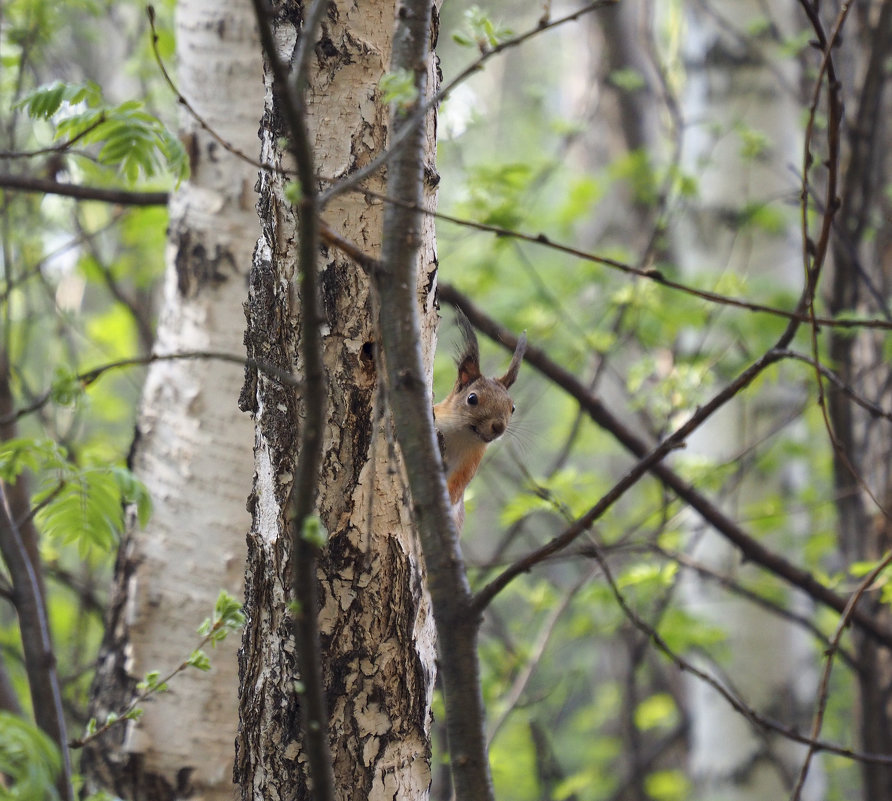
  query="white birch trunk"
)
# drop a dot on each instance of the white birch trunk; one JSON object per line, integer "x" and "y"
{"x": 193, "y": 444}
{"x": 376, "y": 629}
{"x": 730, "y": 92}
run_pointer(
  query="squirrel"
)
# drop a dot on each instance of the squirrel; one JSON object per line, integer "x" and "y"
{"x": 476, "y": 412}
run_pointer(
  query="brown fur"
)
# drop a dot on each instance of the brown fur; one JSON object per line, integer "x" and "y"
{"x": 468, "y": 424}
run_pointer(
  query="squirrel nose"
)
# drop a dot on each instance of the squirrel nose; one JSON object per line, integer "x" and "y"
{"x": 498, "y": 428}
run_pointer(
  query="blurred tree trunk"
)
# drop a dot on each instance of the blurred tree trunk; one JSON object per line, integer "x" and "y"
{"x": 376, "y": 630}
{"x": 192, "y": 446}
{"x": 861, "y": 283}
{"x": 741, "y": 161}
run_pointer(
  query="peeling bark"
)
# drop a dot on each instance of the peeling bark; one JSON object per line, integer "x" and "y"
{"x": 377, "y": 637}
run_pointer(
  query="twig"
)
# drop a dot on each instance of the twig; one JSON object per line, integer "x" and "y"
{"x": 537, "y": 649}
{"x": 739, "y": 589}
{"x": 59, "y": 148}
{"x": 228, "y": 146}
{"x": 88, "y": 377}
{"x": 215, "y": 633}
{"x": 649, "y": 273}
{"x": 824, "y": 688}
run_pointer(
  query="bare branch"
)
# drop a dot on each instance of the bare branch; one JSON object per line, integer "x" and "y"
{"x": 396, "y": 282}
{"x": 46, "y": 695}
{"x": 226, "y": 145}
{"x": 47, "y": 186}
{"x": 89, "y": 376}
{"x": 824, "y": 688}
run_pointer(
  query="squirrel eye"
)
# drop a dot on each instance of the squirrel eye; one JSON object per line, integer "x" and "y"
{"x": 513, "y": 407}
{"x": 472, "y": 399}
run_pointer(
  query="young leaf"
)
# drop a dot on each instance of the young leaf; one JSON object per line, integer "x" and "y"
{"x": 199, "y": 659}
{"x": 399, "y": 87}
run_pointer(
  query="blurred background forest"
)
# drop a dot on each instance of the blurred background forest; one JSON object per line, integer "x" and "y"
{"x": 687, "y": 156}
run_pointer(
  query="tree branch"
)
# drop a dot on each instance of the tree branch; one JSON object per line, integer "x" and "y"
{"x": 122, "y": 197}
{"x": 396, "y": 283}
{"x": 650, "y": 461}
{"x": 40, "y": 659}
{"x": 89, "y": 376}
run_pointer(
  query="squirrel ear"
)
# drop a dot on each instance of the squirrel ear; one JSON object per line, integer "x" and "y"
{"x": 469, "y": 354}
{"x": 511, "y": 375}
{"x": 468, "y": 371}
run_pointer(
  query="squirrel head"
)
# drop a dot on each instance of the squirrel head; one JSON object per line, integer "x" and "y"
{"x": 478, "y": 406}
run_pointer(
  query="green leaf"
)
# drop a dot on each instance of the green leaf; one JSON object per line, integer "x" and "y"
{"x": 667, "y": 785}
{"x": 294, "y": 192}
{"x": 150, "y": 682}
{"x": 29, "y": 761}
{"x": 26, "y": 453}
{"x": 228, "y": 610}
{"x": 481, "y": 31}
{"x": 657, "y": 711}
{"x": 314, "y": 532}
{"x": 46, "y": 100}
{"x": 399, "y": 87}
{"x": 130, "y": 139}
{"x": 66, "y": 387}
{"x": 133, "y": 491}
{"x": 628, "y": 79}
{"x": 199, "y": 659}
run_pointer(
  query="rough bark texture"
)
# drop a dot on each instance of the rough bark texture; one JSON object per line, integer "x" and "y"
{"x": 377, "y": 637}
{"x": 192, "y": 448}
{"x": 743, "y": 89}
{"x": 860, "y": 283}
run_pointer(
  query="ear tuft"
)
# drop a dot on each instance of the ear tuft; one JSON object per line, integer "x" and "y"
{"x": 468, "y": 357}
{"x": 511, "y": 375}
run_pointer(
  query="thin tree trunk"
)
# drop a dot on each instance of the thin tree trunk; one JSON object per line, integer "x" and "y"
{"x": 860, "y": 283}
{"x": 750, "y": 99}
{"x": 376, "y": 630}
{"x": 192, "y": 447}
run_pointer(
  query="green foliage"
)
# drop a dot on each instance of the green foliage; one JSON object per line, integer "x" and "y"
{"x": 480, "y": 31}
{"x": 314, "y": 532}
{"x": 628, "y": 79}
{"x": 129, "y": 139}
{"x": 75, "y": 505}
{"x": 29, "y": 761}
{"x": 667, "y": 785}
{"x": 399, "y": 87}
{"x": 227, "y": 617}
{"x": 293, "y": 192}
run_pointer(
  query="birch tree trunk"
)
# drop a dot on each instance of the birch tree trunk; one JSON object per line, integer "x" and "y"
{"x": 377, "y": 634}
{"x": 192, "y": 447}
{"x": 750, "y": 100}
